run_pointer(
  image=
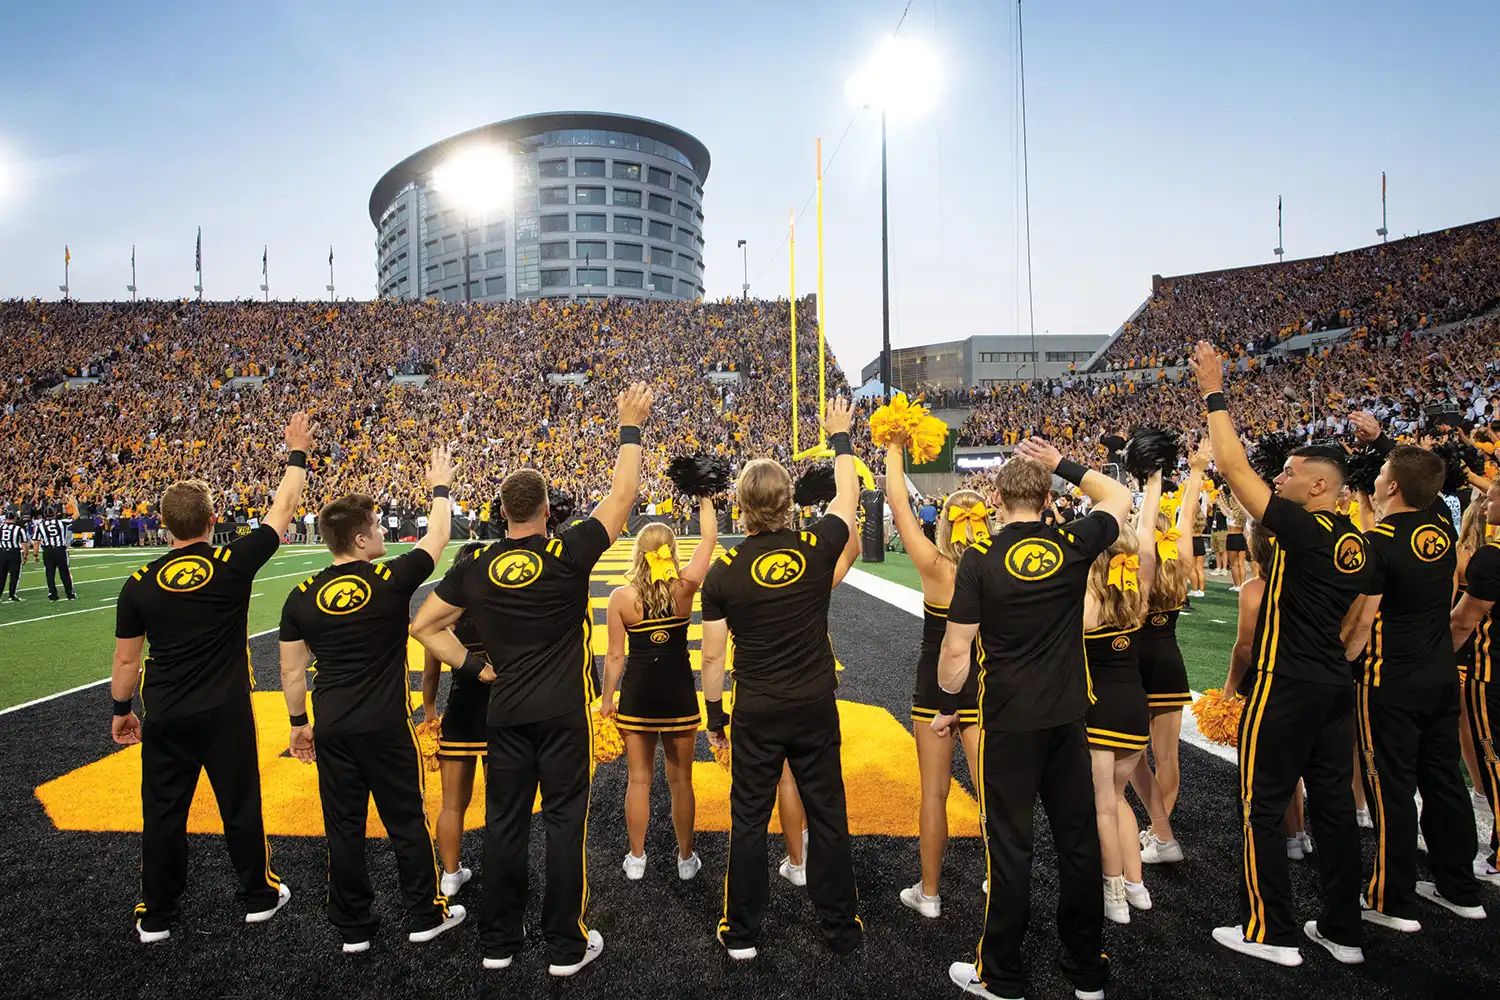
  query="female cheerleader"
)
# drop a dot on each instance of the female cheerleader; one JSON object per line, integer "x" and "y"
{"x": 1118, "y": 722}
{"x": 964, "y": 520}
{"x": 461, "y": 744}
{"x": 1163, "y": 673}
{"x": 658, "y": 697}
{"x": 1471, "y": 537}
{"x": 1234, "y": 542}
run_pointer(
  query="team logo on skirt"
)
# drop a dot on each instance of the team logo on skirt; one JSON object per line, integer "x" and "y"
{"x": 1033, "y": 559}
{"x": 1430, "y": 543}
{"x": 778, "y": 568}
{"x": 516, "y": 569}
{"x": 1121, "y": 643}
{"x": 343, "y": 595}
{"x": 1158, "y": 620}
{"x": 184, "y": 574}
{"x": 660, "y": 636}
{"x": 1349, "y": 554}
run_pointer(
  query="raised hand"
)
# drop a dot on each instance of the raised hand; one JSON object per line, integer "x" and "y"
{"x": 1041, "y": 452}
{"x": 1208, "y": 368}
{"x": 299, "y": 433}
{"x": 837, "y": 416}
{"x": 1199, "y": 460}
{"x": 1366, "y": 427}
{"x": 440, "y": 467}
{"x": 635, "y": 405}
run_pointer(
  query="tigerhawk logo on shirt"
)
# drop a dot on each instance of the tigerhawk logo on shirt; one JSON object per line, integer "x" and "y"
{"x": 1430, "y": 543}
{"x": 1033, "y": 559}
{"x": 1349, "y": 554}
{"x": 343, "y": 595}
{"x": 519, "y": 568}
{"x": 184, "y": 574}
{"x": 778, "y": 568}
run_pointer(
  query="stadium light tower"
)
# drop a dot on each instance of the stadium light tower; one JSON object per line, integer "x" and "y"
{"x": 900, "y": 79}
{"x": 476, "y": 180}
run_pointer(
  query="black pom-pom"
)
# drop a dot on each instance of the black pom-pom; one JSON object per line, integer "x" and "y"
{"x": 1361, "y": 468}
{"x": 1150, "y": 449}
{"x": 699, "y": 475}
{"x": 815, "y": 486}
{"x": 1459, "y": 459}
{"x": 1268, "y": 454}
{"x": 559, "y": 507}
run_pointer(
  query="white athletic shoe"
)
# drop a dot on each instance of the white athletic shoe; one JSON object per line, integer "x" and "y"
{"x": 151, "y": 937}
{"x": 1233, "y": 938}
{"x": 1159, "y": 852}
{"x": 1137, "y": 895}
{"x": 1233, "y": 590}
{"x": 688, "y": 867}
{"x": 1486, "y": 872}
{"x": 1373, "y": 916}
{"x": 635, "y": 867}
{"x": 1115, "y": 907}
{"x": 929, "y": 906}
{"x": 451, "y": 883}
{"x": 1341, "y": 952}
{"x": 1429, "y": 892}
{"x": 1294, "y": 848}
{"x": 282, "y": 896}
{"x": 594, "y": 950}
{"x": 966, "y": 978}
{"x": 456, "y": 916}
{"x": 356, "y": 947}
{"x": 737, "y": 954}
{"x": 1307, "y": 844}
{"x": 1088, "y": 994}
{"x": 795, "y": 874}
{"x": 496, "y": 963}
{"x": 984, "y": 887}
{"x": 1362, "y": 817}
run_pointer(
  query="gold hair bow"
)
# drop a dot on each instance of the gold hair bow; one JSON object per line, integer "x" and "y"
{"x": 975, "y": 521}
{"x": 663, "y": 566}
{"x": 1166, "y": 544}
{"x": 1124, "y": 573}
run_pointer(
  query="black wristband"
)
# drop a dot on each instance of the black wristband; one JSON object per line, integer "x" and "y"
{"x": 840, "y": 443}
{"x": 440, "y": 493}
{"x": 717, "y": 720}
{"x": 630, "y": 434}
{"x": 297, "y": 458}
{"x": 1383, "y": 444}
{"x": 299, "y": 720}
{"x": 1216, "y": 402}
{"x": 473, "y": 666}
{"x": 122, "y": 707}
{"x": 947, "y": 702}
{"x": 1072, "y": 471}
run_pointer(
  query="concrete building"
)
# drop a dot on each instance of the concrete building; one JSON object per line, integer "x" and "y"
{"x": 988, "y": 359}
{"x": 589, "y": 205}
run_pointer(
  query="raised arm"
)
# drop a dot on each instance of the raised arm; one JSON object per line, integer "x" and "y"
{"x": 294, "y": 479}
{"x": 703, "y": 556}
{"x": 1107, "y": 495}
{"x": 613, "y": 511}
{"x": 845, "y": 503}
{"x": 1187, "y": 510}
{"x": 924, "y": 555}
{"x": 851, "y": 552}
{"x": 1145, "y": 530}
{"x": 1229, "y": 455}
{"x": 440, "y": 517}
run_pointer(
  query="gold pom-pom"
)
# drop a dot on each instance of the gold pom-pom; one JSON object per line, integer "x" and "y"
{"x": 427, "y": 741}
{"x": 721, "y": 756}
{"x": 608, "y": 743}
{"x": 926, "y": 441}
{"x": 1218, "y": 717}
{"x": 896, "y": 420}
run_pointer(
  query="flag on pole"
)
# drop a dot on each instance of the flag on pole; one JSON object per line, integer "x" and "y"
{"x": 264, "y": 251}
{"x": 1382, "y": 184}
{"x": 198, "y": 253}
{"x": 330, "y": 255}
{"x": 132, "y": 256}
{"x": 67, "y": 255}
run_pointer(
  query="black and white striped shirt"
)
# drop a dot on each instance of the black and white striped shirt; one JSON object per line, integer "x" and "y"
{"x": 12, "y": 537}
{"x": 53, "y": 532}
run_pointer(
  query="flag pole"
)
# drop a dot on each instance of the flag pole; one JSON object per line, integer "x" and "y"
{"x": 330, "y": 272}
{"x": 67, "y": 261}
{"x": 822, "y": 312}
{"x": 1382, "y": 231}
{"x": 131, "y": 287}
{"x": 792, "y": 294}
{"x": 265, "y": 272}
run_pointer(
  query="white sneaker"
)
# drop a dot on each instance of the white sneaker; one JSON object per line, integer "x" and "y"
{"x": 1115, "y": 907}
{"x": 688, "y": 867}
{"x": 737, "y": 954}
{"x": 1294, "y": 848}
{"x": 151, "y": 937}
{"x": 282, "y": 896}
{"x": 929, "y": 906}
{"x": 1341, "y": 952}
{"x": 1160, "y": 852}
{"x": 356, "y": 947}
{"x": 1429, "y": 892}
{"x": 594, "y": 950}
{"x": 1486, "y": 872}
{"x": 456, "y": 916}
{"x": 1307, "y": 844}
{"x": 984, "y": 887}
{"x": 1373, "y": 916}
{"x": 451, "y": 883}
{"x": 497, "y": 963}
{"x": 966, "y": 978}
{"x": 1362, "y": 817}
{"x": 795, "y": 874}
{"x": 1232, "y": 590}
{"x": 1137, "y": 895}
{"x": 1088, "y": 994}
{"x": 1233, "y": 938}
{"x": 635, "y": 867}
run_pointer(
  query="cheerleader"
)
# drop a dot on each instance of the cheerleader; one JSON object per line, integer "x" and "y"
{"x": 1234, "y": 541}
{"x": 461, "y": 743}
{"x": 1471, "y": 538}
{"x": 1163, "y": 673}
{"x": 964, "y": 520}
{"x": 1119, "y": 721}
{"x": 658, "y": 699}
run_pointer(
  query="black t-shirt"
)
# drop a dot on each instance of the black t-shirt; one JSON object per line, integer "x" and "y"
{"x": 192, "y": 606}
{"x": 1024, "y": 589}
{"x": 1483, "y": 584}
{"x": 1318, "y": 567}
{"x": 353, "y": 617}
{"x": 1413, "y": 557}
{"x": 529, "y": 600}
{"x": 774, "y": 589}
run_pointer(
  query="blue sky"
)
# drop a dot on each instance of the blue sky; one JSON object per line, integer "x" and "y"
{"x": 1160, "y": 135}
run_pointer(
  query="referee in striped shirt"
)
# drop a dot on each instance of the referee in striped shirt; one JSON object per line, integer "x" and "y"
{"x": 53, "y": 533}
{"x": 13, "y": 542}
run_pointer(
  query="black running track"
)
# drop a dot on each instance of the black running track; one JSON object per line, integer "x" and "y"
{"x": 66, "y": 899}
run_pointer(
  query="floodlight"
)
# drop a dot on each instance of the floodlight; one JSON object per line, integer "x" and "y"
{"x": 901, "y": 77}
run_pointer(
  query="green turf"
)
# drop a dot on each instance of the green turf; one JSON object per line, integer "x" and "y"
{"x": 47, "y": 647}
{"x": 897, "y": 568}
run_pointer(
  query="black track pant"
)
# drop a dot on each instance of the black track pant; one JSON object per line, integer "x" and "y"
{"x": 557, "y": 754}
{"x": 1483, "y": 702}
{"x": 55, "y": 559}
{"x": 1408, "y": 742}
{"x": 1294, "y": 729}
{"x": 1014, "y": 768}
{"x": 220, "y": 741}
{"x": 385, "y": 764}
{"x": 807, "y": 738}
{"x": 10, "y": 571}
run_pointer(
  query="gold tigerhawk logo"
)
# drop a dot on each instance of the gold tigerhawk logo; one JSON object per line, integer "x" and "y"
{"x": 1349, "y": 554}
{"x": 516, "y": 569}
{"x": 1430, "y": 543}
{"x": 778, "y": 568}
{"x": 1034, "y": 559}
{"x": 1121, "y": 643}
{"x": 1158, "y": 620}
{"x": 660, "y": 636}
{"x": 343, "y": 595}
{"x": 185, "y": 574}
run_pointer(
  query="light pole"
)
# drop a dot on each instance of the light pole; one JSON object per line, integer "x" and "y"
{"x": 1382, "y": 231}
{"x": 745, "y": 259}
